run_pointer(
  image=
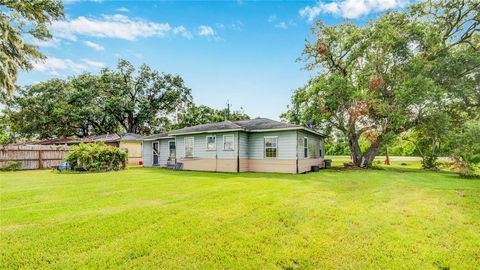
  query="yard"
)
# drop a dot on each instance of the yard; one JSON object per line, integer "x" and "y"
{"x": 156, "y": 218}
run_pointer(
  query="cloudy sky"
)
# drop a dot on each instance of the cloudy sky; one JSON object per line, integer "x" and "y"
{"x": 240, "y": 51}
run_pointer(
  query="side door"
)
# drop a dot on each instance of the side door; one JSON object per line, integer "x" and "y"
{"x": 156, "y": 153}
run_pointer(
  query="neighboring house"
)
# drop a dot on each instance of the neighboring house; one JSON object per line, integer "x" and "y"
{"x": 257, "y": 145}
{"x": 130, "y": 142}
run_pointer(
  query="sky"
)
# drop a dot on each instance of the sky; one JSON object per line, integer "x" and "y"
{"x": 243, "y": 52}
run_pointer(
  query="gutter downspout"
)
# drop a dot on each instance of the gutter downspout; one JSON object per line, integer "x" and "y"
{"x": 238, "y": 151}
{"x": 296, "y": 152}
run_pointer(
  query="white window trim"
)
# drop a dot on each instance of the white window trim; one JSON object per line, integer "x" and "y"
{"x": 185, "y": 146}
{"x": 233, "y": 142}
{"x": 265, "y": 148}
{"x": 308, "y": 154}
{"x": 206, "y": 142}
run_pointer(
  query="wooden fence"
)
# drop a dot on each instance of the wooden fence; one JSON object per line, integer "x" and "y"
{"x": 33, "y": 156}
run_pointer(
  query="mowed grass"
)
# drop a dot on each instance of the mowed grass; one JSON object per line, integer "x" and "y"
{"x": 157, "y": 218}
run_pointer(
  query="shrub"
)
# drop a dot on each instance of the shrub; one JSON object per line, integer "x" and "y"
{"x": 96, "y": 157}
{"x": 11, "y": 166}
{"x": 465, "y": 145}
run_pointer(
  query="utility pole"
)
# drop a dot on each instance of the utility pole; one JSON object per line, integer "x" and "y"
{"x": 228, "y": 110}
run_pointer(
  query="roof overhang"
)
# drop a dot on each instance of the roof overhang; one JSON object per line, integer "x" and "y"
{"x": 157, "y": 139}
{"x": 290, "y": 128}
{"x": 206, "y": 131}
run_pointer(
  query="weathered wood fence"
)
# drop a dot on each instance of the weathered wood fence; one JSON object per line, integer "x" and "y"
{"x": 33, "y": 156}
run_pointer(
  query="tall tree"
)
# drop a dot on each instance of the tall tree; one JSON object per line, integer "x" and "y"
{"x": 144, "y": 101}
{"x": 377, "y": 81}
{"x": 19, "y": 19}
{"x": 60, "y": 108}
{"x": 196, "y": 115}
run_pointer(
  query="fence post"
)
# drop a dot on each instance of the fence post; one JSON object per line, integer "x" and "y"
{"x": 40, "y": 159}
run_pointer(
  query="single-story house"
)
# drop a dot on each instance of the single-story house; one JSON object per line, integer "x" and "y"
{"x": 256, "y": 145}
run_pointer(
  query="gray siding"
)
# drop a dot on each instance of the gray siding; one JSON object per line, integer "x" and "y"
{"x": 287, "y": 143}
{"x": 164, "y": 152}
{"x": 147, "y": 156}
{"x": 243, "y": 145}
{"x": 315, "y": 143}
{"x": 147, "y": 152}
{"x": 200, "y": 146}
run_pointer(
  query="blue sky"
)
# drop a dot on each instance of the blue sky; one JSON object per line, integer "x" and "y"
{"x": 240, "y": 51}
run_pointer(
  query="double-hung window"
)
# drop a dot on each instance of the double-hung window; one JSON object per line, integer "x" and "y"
{"x": 211, "y": 142}
{"x": 228, "y": 142}
{"x": 189, "y": 144}
{"x": 271, "y": 147}
{"x": 305, "y": 147}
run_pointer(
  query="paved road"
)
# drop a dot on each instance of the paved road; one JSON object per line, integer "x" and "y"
{"x": 392, "y": 158}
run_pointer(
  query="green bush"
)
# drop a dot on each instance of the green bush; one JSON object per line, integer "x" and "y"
{"x": 96, "y": 157}
{"x": 11, "y": 166}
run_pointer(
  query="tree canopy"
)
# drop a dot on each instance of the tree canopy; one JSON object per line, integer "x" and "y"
{"x": 88, "y": 104}
{"x": 197, "y": 115}
{"x": 18, "y": 20}
{"x": 388, "y": 77}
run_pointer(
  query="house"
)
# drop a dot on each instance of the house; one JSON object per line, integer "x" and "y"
{"x": 256, "y": 145}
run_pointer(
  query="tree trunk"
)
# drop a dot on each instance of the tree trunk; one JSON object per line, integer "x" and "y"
{"x": 371, "y": 153}
{"x": 387, "y": 156}
{"x": 355, "y": 152}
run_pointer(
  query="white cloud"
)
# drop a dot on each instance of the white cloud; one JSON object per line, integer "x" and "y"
{"x": 282, "y": 25}
{"x": 285, "y": 25}
{"x": 206, "y": 31}
{"x": 54, "y": 66}
{"x": 93, "y": 64}
{"x": 122, "y": 9}
{"x": 49, "y": 43}
{"x": 181, "y": 30}
{"x": 271, "y": 18}
{"x": 350, "y": 9}
{"x": 109, "y": 26}
{"x": 93, "y": 45}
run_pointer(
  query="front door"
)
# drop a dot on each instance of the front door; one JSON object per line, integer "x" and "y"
{"x": 155, "y": 153}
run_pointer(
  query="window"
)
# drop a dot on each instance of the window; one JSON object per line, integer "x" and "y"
{"x": 189, "y": 143}
{"x": 228, "y": 142}
{"x": 270, "y": 147}
{"x": 320, "y": 152}
{"x": 211, "y": 143}
{"x": 305, "y": 147}
{"x": 171, "y": 149}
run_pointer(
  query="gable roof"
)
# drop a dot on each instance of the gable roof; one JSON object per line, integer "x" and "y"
{"x": 157, "y": 136}
{"x": 220, "y": 126}
{"x": 264, "y": 123}
{"x": 251, "y": 125}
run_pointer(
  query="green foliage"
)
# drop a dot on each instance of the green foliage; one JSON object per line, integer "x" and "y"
{"x": 90, "y": 104}
{"x": 11, "y": 166}
{"x": 18, "y": 20}
{"x": 196, "y": 115}
{"x": 97, "y": 157}
{"x": 393, "y": 75}
{"x": 143, "y": 101}
{"x": 465, "y": 145}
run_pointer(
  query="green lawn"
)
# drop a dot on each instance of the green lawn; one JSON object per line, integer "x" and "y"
{"x": 156, "y": 218}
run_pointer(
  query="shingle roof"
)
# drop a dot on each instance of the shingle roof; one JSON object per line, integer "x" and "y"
{"x": 263, "y": 123}
{"x": 156, "y": 136}
{"x": 225, "y": 125}
{"x": 256, "y": 124}
{"x": 112, "y": 137}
